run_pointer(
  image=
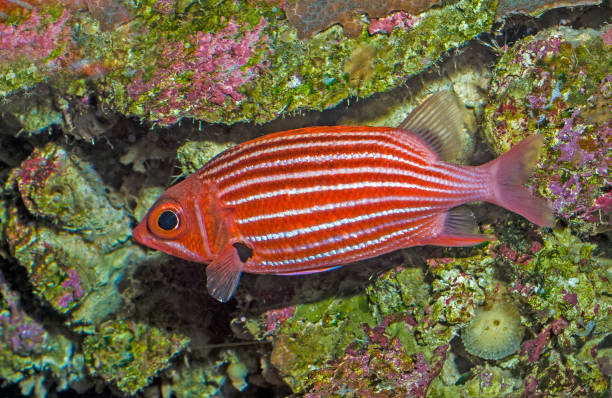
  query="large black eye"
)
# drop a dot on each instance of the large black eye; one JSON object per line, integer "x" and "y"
{"x": 168, "y": 220}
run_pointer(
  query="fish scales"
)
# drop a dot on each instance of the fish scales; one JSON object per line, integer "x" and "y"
{"x": 313, "y": 199}
{"x": 325, "y": 197}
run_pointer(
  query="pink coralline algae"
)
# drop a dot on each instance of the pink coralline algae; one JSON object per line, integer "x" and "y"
{"x": 607, "y": 36}
{"x": 538, "y": 91}
{"x": 602, "y": 208}
{"x": 33, "y": 174}
{"x": 74, "y": 291}
{"x": 34, "y": 40}
{"x": 310, "y": 17}
{"x": 571, "y": 298}
{"x": 588, "y": 154}
{"x": 209, "y": 70}
{"x": 533, "y": 348}
{"x": 536, "y": 50}
{"x": 275, "y": 318}
{"x": 401, "y": 20}
{"x": 108, "y": 13}
{"x": 23, "y": 334}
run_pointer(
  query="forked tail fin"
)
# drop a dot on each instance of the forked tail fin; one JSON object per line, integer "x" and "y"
{"x": 509, "y": 173}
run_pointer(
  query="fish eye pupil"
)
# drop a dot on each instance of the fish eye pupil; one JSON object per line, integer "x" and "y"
{"x": 168, "y": 220}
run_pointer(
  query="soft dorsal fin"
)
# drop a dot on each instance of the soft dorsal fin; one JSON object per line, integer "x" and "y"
{"x": 439, "y": 122}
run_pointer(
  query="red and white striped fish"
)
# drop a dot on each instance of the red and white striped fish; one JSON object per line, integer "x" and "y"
{"x": 316, "y": 198}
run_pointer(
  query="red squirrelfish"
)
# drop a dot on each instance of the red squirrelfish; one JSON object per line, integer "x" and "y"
{"x": 316, "y": 198}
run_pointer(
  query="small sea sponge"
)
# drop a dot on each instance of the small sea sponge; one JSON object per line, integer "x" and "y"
{"x": 494, "y": 332}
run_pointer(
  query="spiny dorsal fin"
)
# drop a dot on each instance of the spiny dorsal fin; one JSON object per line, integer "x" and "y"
{"x": 439, "y": 122}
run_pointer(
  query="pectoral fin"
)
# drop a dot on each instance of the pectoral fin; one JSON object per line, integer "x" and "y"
{"x": 223, "y": 274}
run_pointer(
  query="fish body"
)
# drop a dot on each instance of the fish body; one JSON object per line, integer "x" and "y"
{"x": 316, "y": 198}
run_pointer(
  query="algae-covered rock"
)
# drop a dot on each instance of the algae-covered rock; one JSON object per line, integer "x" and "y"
{"x": 568, "y": 285}
{"x": 129, "y": 354}
{"x": 193, "y": 380}
{"x": 69, "y": 234}
{"x": 280, "y": 73}
{"x": 316, "y": 333}
{"x": 569, "y": 376}
{"x": 558, "y": 84}
{"x": 485, "y": 381}
{"x": 67, "y": 192}
{"x": 382, "y": 368}
{"x": 30, "y": 355}
{"x": 399, "y": 290}
{"x": 234, "y": 61}
{"x": 194, "y": 154}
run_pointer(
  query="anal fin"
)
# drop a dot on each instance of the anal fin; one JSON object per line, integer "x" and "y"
{"x": 459, "y": 229}
{"x": 223, "y": 274}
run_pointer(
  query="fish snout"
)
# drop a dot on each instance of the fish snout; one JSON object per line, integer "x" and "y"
{"x": 140, "y": 233}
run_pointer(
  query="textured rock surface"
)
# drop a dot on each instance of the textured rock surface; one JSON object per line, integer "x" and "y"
{"x": 83, "y": 307}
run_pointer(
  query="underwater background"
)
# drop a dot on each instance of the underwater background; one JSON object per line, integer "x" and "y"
{"x": 106, "y": 103}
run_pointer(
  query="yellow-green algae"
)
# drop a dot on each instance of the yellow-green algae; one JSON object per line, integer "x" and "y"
{"x": 194, "y": 154}
{"x": 317, "y": 333}
{"x": 540, "y": 276}
{"x": 129, "y": 354}
{"x": 310, "y": 74}
{"x": 485, "y": 381}
{"x": 567, "y": 282}
{"x": 193, "y": 380}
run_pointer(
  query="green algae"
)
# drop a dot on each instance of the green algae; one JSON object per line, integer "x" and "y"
{"x": 55, "y": 363}
{"x": 325, "y": 77}
{"x": 129, "y": 354}
{"x": 485, "y": 381}
{"x": 567, "y": 376}
{"x": 192, "y": 155}
{"x": 50, "y": 239}
{"x": 51, "y": 258}
{"x": 67, "y": 192}
{"x": 569, "y": 284}
{"x": 146, "y": 198}
{"x": 34, "y": 113}
{"x": 4, "y": 206}
{"x": 399, "y": 290}
{"x": 318, "y": 332}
